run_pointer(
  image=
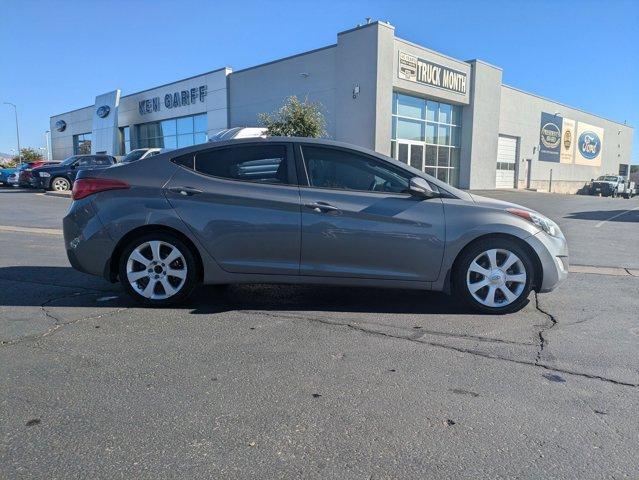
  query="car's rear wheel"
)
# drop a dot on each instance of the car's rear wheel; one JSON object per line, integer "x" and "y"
{"x": 158, "y": 269}
{"x": 494, "y": 275}
{"x": 60, "y": 184}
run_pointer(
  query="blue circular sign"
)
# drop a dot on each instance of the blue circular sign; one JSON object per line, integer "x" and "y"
{"x": 103, "y": 111}
{"x": 589, "y": 145}
{"x": 60, "y": 125}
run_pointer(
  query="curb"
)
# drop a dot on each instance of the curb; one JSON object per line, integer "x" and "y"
{"x": 58, "y": 194}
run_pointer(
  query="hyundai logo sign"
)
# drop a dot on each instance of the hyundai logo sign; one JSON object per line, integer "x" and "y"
{"x": 589, "y": 145}
{"x": 103, "y": 111}
{"x": 60, "y": 125}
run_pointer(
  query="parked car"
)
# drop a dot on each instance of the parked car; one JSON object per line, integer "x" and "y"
{"x": 11, "y": 176}
{"x": 300, "y": 210}
{"x": 139, "y": 154}
{"x": 60, "y": 177}
{"x": 238, "y": 132}
{"x": 24, "y": 176}
{"x": 4, "y": 175}
{"x": 612, "y": 186}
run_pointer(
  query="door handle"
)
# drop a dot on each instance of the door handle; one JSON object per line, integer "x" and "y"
{"x": 320, "y": 207}
{"x": 186, "y": 191}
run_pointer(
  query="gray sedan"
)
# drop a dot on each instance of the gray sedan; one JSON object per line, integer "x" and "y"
{"x": 299, "y": 210}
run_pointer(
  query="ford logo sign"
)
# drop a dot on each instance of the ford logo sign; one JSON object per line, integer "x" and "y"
{"x": 103, "y": 111}
{"x": 589, "y": 145}
{"x": 60, "y": 125}
{"x": 550, "y": 135}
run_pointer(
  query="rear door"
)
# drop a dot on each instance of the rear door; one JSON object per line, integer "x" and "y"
{"x": 242, "y": 202}
{"x": 358, "y": 220}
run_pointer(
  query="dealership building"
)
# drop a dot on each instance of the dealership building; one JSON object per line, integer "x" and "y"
{"x": 451, "y": 118}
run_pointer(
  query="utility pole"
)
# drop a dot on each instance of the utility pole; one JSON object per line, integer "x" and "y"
{"x": 15, "y": 111}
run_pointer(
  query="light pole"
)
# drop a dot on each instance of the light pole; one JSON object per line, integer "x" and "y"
{"x": 15, "y": 111}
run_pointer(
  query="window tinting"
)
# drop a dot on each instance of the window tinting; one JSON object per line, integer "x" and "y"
{"x": 254, "y": 163}
{"x": 102, "y": 161}
{"x": 332, "y": 168}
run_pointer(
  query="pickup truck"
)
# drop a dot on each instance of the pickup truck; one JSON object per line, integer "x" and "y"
{"x": 612, "y": 186}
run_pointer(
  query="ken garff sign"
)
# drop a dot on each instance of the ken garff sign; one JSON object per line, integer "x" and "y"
{"x": 173, "y": 100}
{"x": 103, "y": 111}
{"x": 418, "y": 70}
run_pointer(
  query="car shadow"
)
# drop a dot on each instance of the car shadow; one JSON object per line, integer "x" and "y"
{"x": 625, "y": 216}
{"x": 66, "y": 287}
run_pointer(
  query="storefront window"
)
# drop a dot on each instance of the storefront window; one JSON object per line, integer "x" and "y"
{"x": 427, "y": 135}
{"x": 126, "y": 140}
{"x": 173, "y": 133}
{"x": 82, "y": 144}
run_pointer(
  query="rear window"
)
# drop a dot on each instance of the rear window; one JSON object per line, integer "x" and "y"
{"x": 251, "y": 163}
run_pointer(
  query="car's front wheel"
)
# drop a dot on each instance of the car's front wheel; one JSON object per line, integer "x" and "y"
{"x": 158, "y": 269}
{"x": 60, "y": 184}
{"x": 494, "y": 275}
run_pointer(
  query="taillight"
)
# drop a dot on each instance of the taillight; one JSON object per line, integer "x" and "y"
{"x": 84, "y": 187}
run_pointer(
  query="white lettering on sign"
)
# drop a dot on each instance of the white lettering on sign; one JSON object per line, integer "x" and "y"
{"x": 418, "y": 70}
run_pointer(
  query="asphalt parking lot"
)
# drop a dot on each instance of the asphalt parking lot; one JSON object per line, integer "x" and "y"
{"x": 319, "y": 382}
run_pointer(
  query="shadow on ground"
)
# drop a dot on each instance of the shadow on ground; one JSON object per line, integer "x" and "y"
{"x": 626, "y": 216}
{"x": 63, "y": 286}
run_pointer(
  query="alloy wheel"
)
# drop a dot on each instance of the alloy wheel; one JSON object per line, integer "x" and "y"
{"x": 156, "y": 269}
{"x": 61, "y": 184}
{"x": 496, "y": 278}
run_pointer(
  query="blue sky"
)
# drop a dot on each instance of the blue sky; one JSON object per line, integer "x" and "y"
{"x": 56, "y": 56}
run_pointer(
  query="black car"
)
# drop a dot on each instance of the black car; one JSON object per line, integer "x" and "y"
{"x": 61, "y": 177}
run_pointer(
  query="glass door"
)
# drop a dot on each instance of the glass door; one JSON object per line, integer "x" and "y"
{"x": 411, "y": 153}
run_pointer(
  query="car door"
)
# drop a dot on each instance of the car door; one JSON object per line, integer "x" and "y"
{"x": 242, "y": 203}
{"x": 358, "y": 220}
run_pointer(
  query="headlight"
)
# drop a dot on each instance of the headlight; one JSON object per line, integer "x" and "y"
{"x": 44, "y": 174}
{"x": 546, "y": 224}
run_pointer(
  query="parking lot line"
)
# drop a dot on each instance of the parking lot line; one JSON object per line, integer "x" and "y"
{"x": 615, "y": 216}
{"x": 37, "y": 231}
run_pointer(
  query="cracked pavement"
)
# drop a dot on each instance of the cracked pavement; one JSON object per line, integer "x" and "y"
{"x": 263, "y": 381}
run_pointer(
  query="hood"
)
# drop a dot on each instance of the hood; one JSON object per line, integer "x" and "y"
{"x": 50, "y": 168}
{"x": 494, "y": 203}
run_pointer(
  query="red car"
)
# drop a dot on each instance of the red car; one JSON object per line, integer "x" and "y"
{"x": 24, "y": 176}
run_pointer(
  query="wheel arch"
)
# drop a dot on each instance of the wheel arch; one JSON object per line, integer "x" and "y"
{"x": 112, "y": 265}
{"x": 538, "y": 274}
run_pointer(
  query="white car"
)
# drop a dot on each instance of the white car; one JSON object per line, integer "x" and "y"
{"x": 139, "y": 154}
{"x": 238, "y": 132}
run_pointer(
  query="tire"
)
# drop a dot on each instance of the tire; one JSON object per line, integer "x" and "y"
{"x": 60, "y": 184}
{"x": 473, "y": 267}
{"x": 158, "y": 288}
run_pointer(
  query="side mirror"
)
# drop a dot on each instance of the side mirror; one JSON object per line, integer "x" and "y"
{"x": 421, "y": 188}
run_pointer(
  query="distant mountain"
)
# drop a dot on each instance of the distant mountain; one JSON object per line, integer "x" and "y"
{"x": 5, "y": 155}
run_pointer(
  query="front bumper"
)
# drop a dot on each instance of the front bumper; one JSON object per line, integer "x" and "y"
{"x": 553, "y": 256}
{"x": 40, "y": 182}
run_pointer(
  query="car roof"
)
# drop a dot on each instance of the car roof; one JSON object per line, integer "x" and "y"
{"x": 314, "y": 141}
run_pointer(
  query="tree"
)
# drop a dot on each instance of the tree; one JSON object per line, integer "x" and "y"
{"x": 295, "y": 119}
{"x": 28, "y": 155}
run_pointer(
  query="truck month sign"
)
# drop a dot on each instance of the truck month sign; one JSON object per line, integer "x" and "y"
{"x": 418, "y": 70}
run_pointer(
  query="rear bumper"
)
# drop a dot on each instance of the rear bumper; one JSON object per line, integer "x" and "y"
{"x": 553, "y": 256}
{"x": 87, "y": 243}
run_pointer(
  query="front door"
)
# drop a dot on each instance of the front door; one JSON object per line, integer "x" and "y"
{"x": 243, "y": 204}
{"x": 358, "y": 220}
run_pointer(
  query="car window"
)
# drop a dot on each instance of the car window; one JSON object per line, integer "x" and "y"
{"x": 133, "y": 156}
{"x": 334, "y": 168}
{"x": 84, "y": 161}
{"x": 252, "y": 163}
{"x": 102, "y": 161}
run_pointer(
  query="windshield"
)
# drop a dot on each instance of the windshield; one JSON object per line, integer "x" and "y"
{"x": 608, "y": 178}
{"x": 133, "y": 156}
{"x": 68, "y": 161}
